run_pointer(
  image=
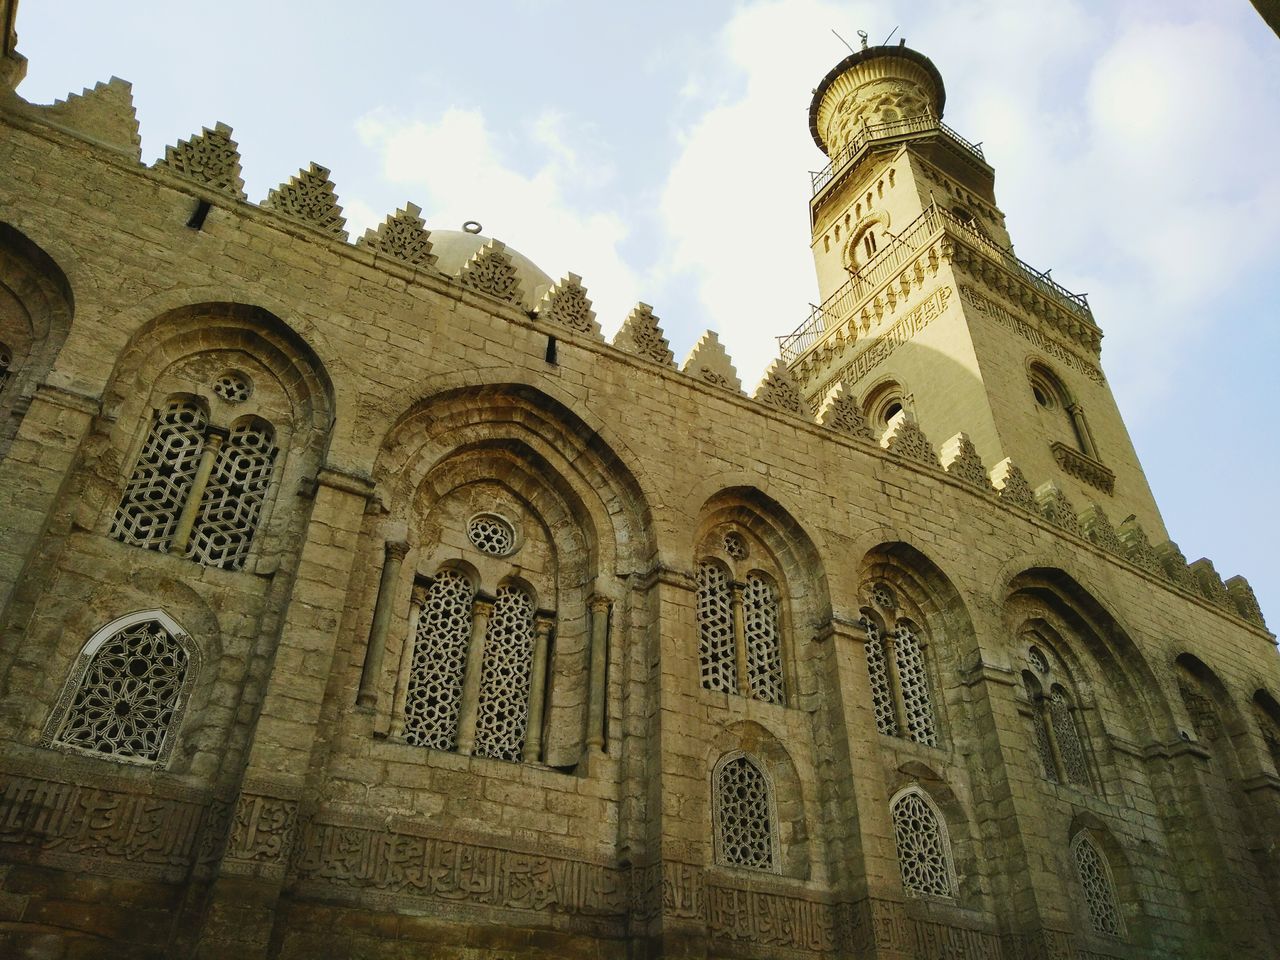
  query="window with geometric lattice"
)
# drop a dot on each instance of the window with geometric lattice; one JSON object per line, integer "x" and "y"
{"x": 901, "y": 696}
{"x": 438, "y": 662}
{"x": 924, "y": 851}
{"x": 503, "y": 715}
{"x": 1269, "y": 727}
{"x": 197, "y": 491}
{"x": 1061, "y": 746}
{"x": 125, "y": 694}
{"x": 744, "y": 824}
{"x": 1094, "y": 875}
{"x": 6, "y": 364}
{"x": 739, "y": 626}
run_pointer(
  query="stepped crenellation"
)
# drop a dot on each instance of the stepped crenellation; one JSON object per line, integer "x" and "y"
{"x": 211, "y": 159}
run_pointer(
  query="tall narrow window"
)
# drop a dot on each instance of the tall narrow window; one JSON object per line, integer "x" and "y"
{"x": 233, "y": 496}
{"x": 1099, "y": 891}
{"x": 1060, "y": 738}
{"x": 503, "y": 716}
{"x": 154, "y": 497}
{"x": 438, "y": 662}
{"x": 127, "y": 690}
{"x": 743, "y": 812}
{"x": 1040, "y": 727}
{"x": 900, "y": 694}
{"x": 878, "y": 668}
{"x": 917, "y": 707}
{"x": 6, "y": 364}
{"x": 715, "y": 629}
{"x": 764, "y": 655}
{"x": 1064, "y": 730}
{"x": 924, "y": 854}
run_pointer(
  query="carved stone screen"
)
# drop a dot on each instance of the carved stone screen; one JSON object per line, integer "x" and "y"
{"x": 878, "y": 668}
{"x": 6, "y": 364}
{"x": 491, "y": 535}
{"x": 433, "y": 695}
{"x": 124, "y": 704}
{"x": 923, "y": 856}
{"x": 764, "y": 653}
{"x": 1040, "y": 733}
{"x": 1070, "y": 749}
{"x": 153, "y": 498}
{"x": 715, "y": 629}
{"x": 232, "y": 500}
{"x": 503, "y": 714}
{"x": 1099, "y": 895}
{"x": 743, "y": 816}
{"x": 917, "y": 707}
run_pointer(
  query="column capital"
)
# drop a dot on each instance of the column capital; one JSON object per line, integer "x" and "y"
{"x": 598, "y": 602}
{"x": 397, "y": 549}
{"x": 544, "y": 622}
{"x": 483, "y": 604}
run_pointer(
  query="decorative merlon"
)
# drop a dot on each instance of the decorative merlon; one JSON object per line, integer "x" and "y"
{"x": 1245, "y": 601}
{"x": 710, "y": 364}
{"x": 401, "y": 236}
{"x": 1012, "y": 486}
{"x": 1097, "y": 527}
{"x": 778, "y": 390}
{"x": 961, "y": 461}
{"x": 566, "y": 304}
{"x": 642, "y": 336}
{"x": 104, "y": 113}
{"x": 841, "y": 412}
{"x": 904, "y": 437}
{"x": 1174, "y": 562}
{"x": 1211, "y": 585}
{"x": 309, "y": 198}
{"x": 1056, "y": 508}
{"x": 1083, "y": 467}
{"x": 1137, "y": 547}
{"x": 210, "y": 158}
{"x": 491, "y": 271}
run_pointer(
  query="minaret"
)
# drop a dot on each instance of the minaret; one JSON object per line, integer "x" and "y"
{"x": 926, "y": 307}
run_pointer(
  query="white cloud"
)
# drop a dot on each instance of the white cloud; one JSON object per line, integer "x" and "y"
{"x": 457, "y": 170}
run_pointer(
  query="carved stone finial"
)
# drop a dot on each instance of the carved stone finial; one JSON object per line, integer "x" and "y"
{"x": 641, "y": 335}
{"x": 1056, "y": 508}
{"x": 1138, "y": 548}
{"x": 1245, "y": 600}
{"x": 778, "y": 389}
{"x": 309, "y": 198}
{"x": 1211, "y": 585}
{"x": 1174, "y": 562}
{"x": 566, "y": 304}
{"x": 491, "y": 271}
{"x": 841, "y": 412}
{"x": 211, "y": 158}
{"x": 401, "y": 236}
{"x": 1012, "y": 486}
{"x": 904, "y": 437}
{"x": 960, "y": 460}
{"x": 710, "y": 364}
{"x": 103, "y": 113}
{"x": 1097, "y": 527}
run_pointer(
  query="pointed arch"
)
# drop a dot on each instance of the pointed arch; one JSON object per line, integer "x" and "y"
{"x": 1097, "y": 886}
{"x": 744, "y": 814}
{"x": 923, "y": 844}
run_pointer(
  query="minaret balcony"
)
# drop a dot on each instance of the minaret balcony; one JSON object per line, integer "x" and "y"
{"x": 890, "y": 131}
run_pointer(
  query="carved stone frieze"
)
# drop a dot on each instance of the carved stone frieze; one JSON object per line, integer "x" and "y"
{"x": 1097, "y": 527}
{"x": 904, "y": 437}
{"x": 261, "y": 829}
{"x": 309, "y": 198}
{"x": 1246, "y": 602}
{"x": 210, "y": 158}
{"x": 1056, "y": 508}
{"x": 402, "y": 236}
{"x": 1006, "y": 318}
{"x": 1211, "y": 586}
{"x": 1083, "y": 467}
{"x": 769, "y": 919}
{"x": 1138, "y": 548}
{"x": 491, "y": 271}
{"x": 709, "y": 363}
{"x": 567, "y": 305}
{"x": 1174, "y": 562}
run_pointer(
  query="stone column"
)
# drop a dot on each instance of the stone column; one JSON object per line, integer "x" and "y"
{"x": 1082, "y": 430}
{"x": 481, "y": 610}
{"x": 371, "y": 676}
{"x": 542, "y": 625}
{"x": 214, "y": 438}
{"x": 736, "y": 589}
{"x": 597, "y": 691}
{"x": 895, "y": 680}
{"x": 392, "y": 713}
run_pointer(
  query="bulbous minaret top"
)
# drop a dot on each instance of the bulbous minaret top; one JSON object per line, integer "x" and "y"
{"x": 876, "y": 85}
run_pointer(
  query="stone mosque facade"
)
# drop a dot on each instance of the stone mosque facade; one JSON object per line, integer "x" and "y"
{"x": 360, "y": 600}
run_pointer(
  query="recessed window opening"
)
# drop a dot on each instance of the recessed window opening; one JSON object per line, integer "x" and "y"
{"x": 869, "y": 242}
{"x": 891, "y": 410}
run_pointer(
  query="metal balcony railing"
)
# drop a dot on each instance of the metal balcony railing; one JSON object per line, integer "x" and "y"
{"x": 908, "y": 126}
{"x": 885, "y": 265}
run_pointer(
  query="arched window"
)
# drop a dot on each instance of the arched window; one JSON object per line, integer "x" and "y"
{"x": 125, "y": 694}
{"x": 924, "y": 850}
{"x": 901, "y": 697}
{"x": 197, "y": 491}
{"x": 438, "y": 661}
{"x": 1059, "y": 736}
{"x": 1267, "y": 713}
{"x": 739, "y": 623}
{"x": 504, "y": 678}
{"x": 744, "y": 819}
{"x": 1099, "y": 890}
{"x": 1063, "y": 417}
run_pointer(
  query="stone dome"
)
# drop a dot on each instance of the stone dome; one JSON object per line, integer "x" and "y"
{"x": 453, "y": 248}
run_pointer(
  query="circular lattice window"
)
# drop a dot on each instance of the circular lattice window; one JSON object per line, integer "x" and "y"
{"x": 883, "y": 596}
{"x": 735, "y": 546}
{"x": 1037, "y": 660}
{"x": 492, "y": 534}
{"x": 233, "y": 387}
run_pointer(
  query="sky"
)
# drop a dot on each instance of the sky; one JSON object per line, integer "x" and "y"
{"x": 661, "y": 151}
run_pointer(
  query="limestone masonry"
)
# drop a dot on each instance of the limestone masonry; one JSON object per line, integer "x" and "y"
{"x": 357, "y": 599}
